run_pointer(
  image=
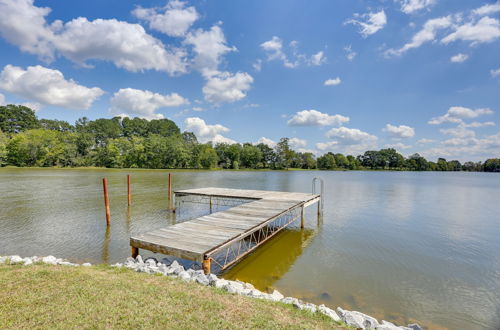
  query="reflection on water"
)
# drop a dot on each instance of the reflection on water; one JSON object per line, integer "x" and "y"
{"x": 272, "y": 260}
{"x": 400, "y": 246}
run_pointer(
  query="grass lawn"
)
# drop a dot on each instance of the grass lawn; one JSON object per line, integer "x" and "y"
{"x": 43, "y": 296}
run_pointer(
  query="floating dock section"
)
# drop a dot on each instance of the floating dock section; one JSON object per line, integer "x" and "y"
{"x": 220, "y": 239}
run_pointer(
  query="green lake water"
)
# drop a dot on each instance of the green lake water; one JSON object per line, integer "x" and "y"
{"x": 401, "y": 246}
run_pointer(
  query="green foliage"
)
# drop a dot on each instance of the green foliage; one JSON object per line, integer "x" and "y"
{"x": 17, "y": 118}
{"x": 3, "y": 148}
{"x": 492, "y": 165}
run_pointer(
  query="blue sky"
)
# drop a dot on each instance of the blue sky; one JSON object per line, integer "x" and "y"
{"x": 343, "y": 76}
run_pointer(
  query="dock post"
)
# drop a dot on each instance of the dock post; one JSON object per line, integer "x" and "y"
{"x": 210, "y": 204}
{"x": 106, "y": 201}
{"x": 319, "y": 208}
{"x": 302, "y": 217}
{"x": 170, "y": 206}
{"x": 128, "y": 191}
{"x": 206, "y": 265}
{"x": 135, "y": 252}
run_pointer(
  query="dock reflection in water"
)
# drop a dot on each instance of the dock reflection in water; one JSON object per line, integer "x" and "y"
{"x": 272, "y": 260}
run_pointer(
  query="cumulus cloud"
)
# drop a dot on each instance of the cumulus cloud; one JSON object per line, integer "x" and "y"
{"x": 397, "y": 146}
{"x": 267, "y": 141}
{"x": 174, "y": 19}
{"x": 143, "y": 103}
{"x": 426, "y": 34}
{"x": 425, "y": 141}
{"x": 205, "y": 132}
{"x": 495, "y": 73}
{"x": 485, "y": 30}
{"x": 47, "y": 86}
{"x": 2, "y": 99}
{"x": 35, "y": 106}
{"x": 209, "y": 46}
{"x": 332, "y": 82}
{"x": 275, "y": 51}
{"x": 401, "y": 131}
{"x": 458, "y": 114}
{"x": 411, "y": 6}
{"x": 126, "y": 45}
{"x": 227, "y": 87}
{"x": 459, "y": 58}
{"x": 316, "y": 118}
{"x": 369, "y": 23}
{"x": 487, "y": 9}
{"x": 297, "y": 143}
{"x": 348, "y": 141}
{"x": 458, "y": 132}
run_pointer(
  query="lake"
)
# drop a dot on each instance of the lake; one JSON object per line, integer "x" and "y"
{"x": 401, "y": 246}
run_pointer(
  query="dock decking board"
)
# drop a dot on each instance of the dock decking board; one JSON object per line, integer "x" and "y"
{"x": 196, "y": 238}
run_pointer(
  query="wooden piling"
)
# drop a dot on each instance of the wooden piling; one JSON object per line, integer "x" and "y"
{"x": 170, "y": 191}
{"x": 302, "y": 217}
{"x": 106, "y": 201}
{"x": 135, "y": 252}
{"x": 206, "y": 265}
{"x": 129, "y": 197}
{"x": 210, "y": 204}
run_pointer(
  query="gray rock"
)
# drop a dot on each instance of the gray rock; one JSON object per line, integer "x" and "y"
{"x": 2, "y": 259}
{"x": 28, "y": 261}
{"x": 289, "y": 300}
{"x": 15, "y": 260}
{"x": 248, "y": 286}
{"x": 254, "y": 293}
{"x": 202, "y": 279}
{"x": 275, "y": 296}
{"x": 329, "y": 312}
{"x": 51, "y": 260}
{"x": 150, "y": 262}
{"x": 385, "y": 325}
{"x": 177, "y": 269}
{"x": 139, "y": 259}
{"x": 220, "y": 283}
{"x": 130, "y": 259}
{"x": 185, "y": 276}
{"x": 212, "y": 278}
{"x": 87, "y": 264}
{"x": 117, "y": 265}
{"x": 175, "y": 264}
{"x": 309, "y": 307}
{"x": 357, "y": 319}
{"x": 233, "y": 287}
{"x": 414, "y": 326}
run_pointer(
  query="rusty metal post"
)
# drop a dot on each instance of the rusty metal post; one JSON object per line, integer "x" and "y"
{"x": 206, "y": 265}
{"x": 210, "y": 204}
{"x": 106, "y": 201}
{"x": 170, "y": 206}
{"x": 129, "y": 197}
{"x": 302, "y": 217}
{"x": 135, "y": 252}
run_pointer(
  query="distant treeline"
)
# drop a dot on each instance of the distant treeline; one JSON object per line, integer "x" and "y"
{"x": 26, "y": 140}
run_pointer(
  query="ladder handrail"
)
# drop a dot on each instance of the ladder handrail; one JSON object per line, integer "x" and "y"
{"x": 322, "y": 187}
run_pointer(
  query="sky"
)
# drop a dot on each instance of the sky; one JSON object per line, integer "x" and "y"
{"x": 340, "y": 75}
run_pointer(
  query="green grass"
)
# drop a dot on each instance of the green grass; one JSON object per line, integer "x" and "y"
{"x": 98, "y": 297}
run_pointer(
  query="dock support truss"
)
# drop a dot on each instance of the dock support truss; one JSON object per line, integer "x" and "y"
{"x": 210, "y": 200}
{"x": 228, "y": 254}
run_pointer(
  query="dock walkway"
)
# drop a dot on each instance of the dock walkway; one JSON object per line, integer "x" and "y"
{"x": 225, "y": 237}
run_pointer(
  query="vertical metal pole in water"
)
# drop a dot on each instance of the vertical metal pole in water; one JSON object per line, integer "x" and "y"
{"x": 128, "y": 191}
{"x": 170, "y": 207}
{"x": 106, "y": 201}
{"x": 210, "y": 204}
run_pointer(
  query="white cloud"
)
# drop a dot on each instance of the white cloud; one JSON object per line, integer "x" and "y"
{"x": 274, "y": 51}
{"x": 487, "y": 9}
{"x": 198, "y": 109}
{"x": 458, "y": 114}
{"x": 332, "y": 82}
{"x": 126, "y": 45}
{"x": 143, "y": 103}
{"x": 2, "y": 99}
{"x": 369, "y": 23}
{"x": 476, "y": 124}
{"x": 174, "y": 19}
{"x": 297, "y": 143}
{"x": 349, "y": 53}
{"x": 401, "y": 131}
{"x": 397, "y": 146}
{"x": 35, "y": 106}
{"x": 486, "y": 30}
{"x": 226, "y": 87}
{"x": 495, "y": 73}
{"x": 47, "y": 86}
{"x": 267, "y": 141}
{"x": 206, "y": 133}
{"x": 411, "y": 6}
{"x": 425, "y": 141}
{"x": 458, "y": 132}
{"x": 316, "y": 118}
{"x": 459, "y": 58}
{"x": 318, "y": 58}
{"x": 209, "y": 46}
{"x": 348, "y": 141}
{"x": 426, "y": 34}
{"x": 257, "y": 65}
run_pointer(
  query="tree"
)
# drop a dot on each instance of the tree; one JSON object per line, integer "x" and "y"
{"x": 308, "y": 160}
{"x": 135, "y": 127}
{"x": 3, "y": 148}
{"x": 454, "y": 165}
{"x": 163, "y": 127}
{"x": 56, "y": 125}
{"x": 326, "y": 162}
{"x": 17, "y": 118}
{"x": 268, "y": 154}
{"x": 492, "y": 165}
{"x": 284, "y": 154}
{"x": 417, "y": 163}
{"x": 208, "y": 157}
{"x": 36, "y": 148}
{"x": 233, "y": 154}
{"x": 251, "y": 156}
{"x": 442, "y": 165}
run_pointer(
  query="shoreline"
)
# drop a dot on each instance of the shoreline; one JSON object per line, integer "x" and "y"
{"x": 175, "y": 270}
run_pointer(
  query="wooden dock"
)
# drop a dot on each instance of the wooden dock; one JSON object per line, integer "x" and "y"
{"x": 222, "y": 238}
